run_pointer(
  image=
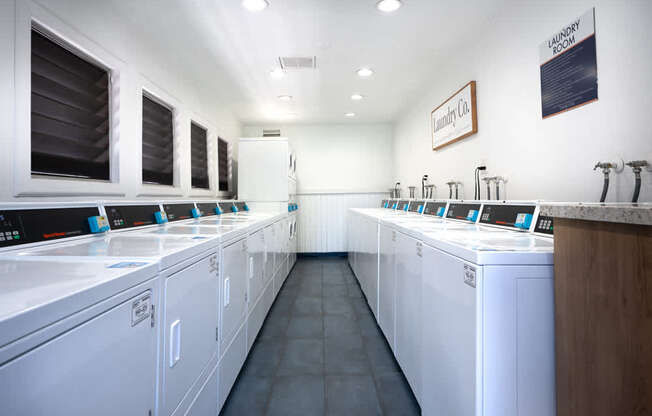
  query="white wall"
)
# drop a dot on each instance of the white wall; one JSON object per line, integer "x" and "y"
{"x": 338, "y": 157}
{"x": 339, "y": 167}
{"x": 548, "y": 159}
{"x": 98, "y": 27}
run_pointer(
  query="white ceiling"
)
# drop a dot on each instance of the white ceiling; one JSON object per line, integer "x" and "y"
{"x": 223, "y": 47}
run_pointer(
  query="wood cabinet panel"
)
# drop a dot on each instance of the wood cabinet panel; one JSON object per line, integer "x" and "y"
{"x": 603, "y": 318}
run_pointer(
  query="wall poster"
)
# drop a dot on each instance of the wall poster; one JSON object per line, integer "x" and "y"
{"x": 569, "y": 70}
{"x": 455, "y": 119}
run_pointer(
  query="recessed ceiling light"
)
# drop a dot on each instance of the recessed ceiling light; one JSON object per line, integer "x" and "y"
{"x": 364, "y": 72}
{"x": 357, "y": 97}
{"x": 255, "y": 5}
{"x": 277, "y": 73}
{"x": 349, "y": 115}
{"x": 388, "y": 6}
{"x": 285, "y": 97}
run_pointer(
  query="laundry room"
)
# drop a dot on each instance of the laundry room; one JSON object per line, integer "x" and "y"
{"x": 303, "y": 207}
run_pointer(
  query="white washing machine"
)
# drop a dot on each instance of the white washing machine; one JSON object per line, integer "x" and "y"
{"x": 188, "y": 270}
{"x": 77, "y": 335}
{"x": 400, "y": 275}
{"x": 487, "y": 318}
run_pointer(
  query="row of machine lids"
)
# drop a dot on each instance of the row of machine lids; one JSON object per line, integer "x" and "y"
{"x": 509, "y": 214}
{"x": 31, "y": 225}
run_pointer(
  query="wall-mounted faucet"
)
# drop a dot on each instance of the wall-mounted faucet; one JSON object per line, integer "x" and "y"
{"x": 606, "y": 169}
{"x": 450, "y": 188}
{"x": 430, "y": 191}
{"x": 487, "y": 180}
{"x": 498, "y": 180}
{"x": 424, "y": 183}
{"x": 452, "y": 184}
{"x": 397, "y": 190}
{"x": 637, "y": 166}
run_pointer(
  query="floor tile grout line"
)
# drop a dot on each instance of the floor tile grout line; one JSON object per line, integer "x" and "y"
{"x": 323, "y": 332}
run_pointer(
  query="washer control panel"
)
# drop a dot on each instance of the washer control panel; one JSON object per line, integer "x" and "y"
{"x": 385, "y": 203}
{"x": 241, "y": 206}
{"x": 206, "y": 208}
{"x": 403, "y": 205}
{"x": 129, "y": 216}
{"x": 436, "y": 209}
{"x": 417, "y": 206}
{"x": 507, "y": 215}
{"x": 23, "y": 226}
{"x": 225, "y": 207}
{"x": 463, "y": 211}
{"x": 178, "y": 212}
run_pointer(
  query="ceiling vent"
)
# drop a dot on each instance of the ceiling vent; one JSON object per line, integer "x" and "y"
{"x": 298, "y": 62}
{"x": 271, "y": 133}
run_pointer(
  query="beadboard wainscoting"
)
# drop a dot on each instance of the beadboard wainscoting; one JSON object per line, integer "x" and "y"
{"x": 322, "y": 218}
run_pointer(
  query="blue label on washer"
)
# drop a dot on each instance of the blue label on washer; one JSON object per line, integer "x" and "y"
{"x": 199, "y": 238}
{"x": 127, "y": 265}
{"x": 420, "y": 209}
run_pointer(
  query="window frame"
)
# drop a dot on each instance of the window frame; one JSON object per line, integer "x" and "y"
{"x": 208, "y": 152}
{"x": 145, "y": 92}
{"x": 229, "y": 166}
{"x": 163, "y": 97}
{"x": 30, "y": 15}
{"x": 211, "y": 133}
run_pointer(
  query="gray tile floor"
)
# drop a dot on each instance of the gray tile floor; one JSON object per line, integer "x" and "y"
{"x": 320, "y": 352}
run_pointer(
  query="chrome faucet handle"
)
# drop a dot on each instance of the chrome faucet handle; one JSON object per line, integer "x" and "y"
{"x": 637, "y": 165}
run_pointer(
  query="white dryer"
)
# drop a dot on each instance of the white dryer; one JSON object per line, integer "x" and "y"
{"x": 487, "y": 318}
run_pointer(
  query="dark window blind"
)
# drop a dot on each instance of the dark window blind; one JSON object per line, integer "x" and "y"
{"x": 158, "y": 143}
{"x": 223, "y": 164}
{"x": 199, "y": 156}
{"x": 70, "y": 121}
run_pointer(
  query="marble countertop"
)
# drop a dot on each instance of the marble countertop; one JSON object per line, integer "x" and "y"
{"x": 626, "y": 213}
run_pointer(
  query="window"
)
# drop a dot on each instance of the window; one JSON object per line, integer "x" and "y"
{"x": 199, "y": 156}
{"x": 158, "y": 143}
{"x": 70, "y": 123}
{"x": 223, "y": 164}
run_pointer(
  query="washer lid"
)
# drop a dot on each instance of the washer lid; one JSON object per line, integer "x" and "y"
{"x": 488, "y": 247}
{"x": 166, "y": 249}
{"x": 35, "y": 293}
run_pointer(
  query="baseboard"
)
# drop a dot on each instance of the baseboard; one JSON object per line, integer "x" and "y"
{"x": 331, "y": 254}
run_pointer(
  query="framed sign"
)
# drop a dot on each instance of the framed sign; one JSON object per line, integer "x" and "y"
{"x": 455, "y": 119}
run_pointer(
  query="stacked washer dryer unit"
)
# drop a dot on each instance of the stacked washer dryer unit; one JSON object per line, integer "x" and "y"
{"x": 267, "y": 180}
{"x": 102, "y": 366}
{"x": 466, "y": 303}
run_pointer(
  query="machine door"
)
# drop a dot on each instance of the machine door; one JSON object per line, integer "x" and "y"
{"x": 191, "y": 317}
{"x": 449, "y": 330}
{"x": 408, "y": 308}
{"x": 387, "y": 284}
{"x": 268, "y": 252}
{"x": 234, "y": 290}
{"x": 255, "y": 271}
{"x": 105, "y": 366}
